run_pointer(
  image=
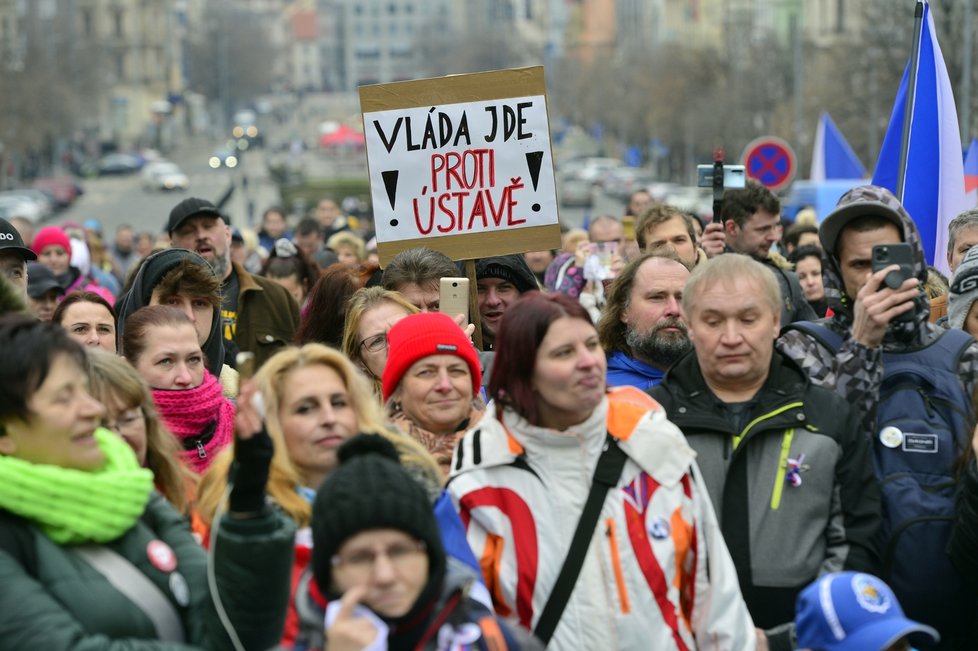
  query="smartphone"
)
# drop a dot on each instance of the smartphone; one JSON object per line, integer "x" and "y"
{"x": 885, "y": 255}
{"x": 454, "y": 297}
{"x": 628, "y": 226}
{"x": 734, "y": 176}
{"x": 245, "y": 363}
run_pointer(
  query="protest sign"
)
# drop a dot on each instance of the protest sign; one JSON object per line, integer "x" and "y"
{"x": 461, "y": 164}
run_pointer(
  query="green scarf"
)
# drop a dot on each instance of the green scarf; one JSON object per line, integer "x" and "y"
{"x": 74, "y": 506}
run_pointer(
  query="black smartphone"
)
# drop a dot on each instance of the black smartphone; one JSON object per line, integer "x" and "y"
{"x": 885, "y": 255}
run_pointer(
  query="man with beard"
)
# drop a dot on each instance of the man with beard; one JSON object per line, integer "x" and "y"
{"x": 258, "y": 315}
{"x": 641, "y": 328}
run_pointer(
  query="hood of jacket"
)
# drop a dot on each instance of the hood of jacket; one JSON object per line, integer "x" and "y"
{"x": 148, "y": 276}
{"x": 872, "y": 200}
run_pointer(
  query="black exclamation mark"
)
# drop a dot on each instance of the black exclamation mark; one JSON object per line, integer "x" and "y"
{"x": 390, "y": 182}
{"x": 534, "y": 160}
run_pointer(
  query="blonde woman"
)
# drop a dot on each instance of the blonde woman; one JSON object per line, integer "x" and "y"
{"x": 315, "y": 399}
{"x": 350, "y": 249}
{"x": 370, "y": 314}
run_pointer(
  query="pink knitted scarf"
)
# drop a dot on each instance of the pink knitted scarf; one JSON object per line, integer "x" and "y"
{"x": 202, "y": 419}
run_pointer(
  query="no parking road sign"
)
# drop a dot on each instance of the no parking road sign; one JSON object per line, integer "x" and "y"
{"x": 770, "y": 161}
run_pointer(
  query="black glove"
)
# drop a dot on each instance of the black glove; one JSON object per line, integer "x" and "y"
{"x": 249, "y": 473}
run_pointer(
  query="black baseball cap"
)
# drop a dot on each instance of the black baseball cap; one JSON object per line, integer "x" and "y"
{"x": 10, "y": 240}
{"x": 41, "y": 280}
{"x": 190, "y": 207}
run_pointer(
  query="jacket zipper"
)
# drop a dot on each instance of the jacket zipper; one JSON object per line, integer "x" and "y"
{"x": 616, "y": 567}
{"x": 782, "y": 468}
{"x": 780, "y": 410}
{"x": 785, "y": 448}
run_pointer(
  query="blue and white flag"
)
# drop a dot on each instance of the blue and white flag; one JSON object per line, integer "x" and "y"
{"x": 971, "y": 173}
{"x": 832, "y": 157}
{"x": 933, "y": 191}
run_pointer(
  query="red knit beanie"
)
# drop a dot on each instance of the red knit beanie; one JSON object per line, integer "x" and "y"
{"x": 51, "y": 235}
{"x": 417, "y": 336}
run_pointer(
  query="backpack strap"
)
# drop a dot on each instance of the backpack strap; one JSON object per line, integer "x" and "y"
{"x": 136, "y": 586}
{"x": 311, "y": 633}
{"x": 606, "y": 475}
{"x": 954, "y": 342}
{"x": 828, "y": 338}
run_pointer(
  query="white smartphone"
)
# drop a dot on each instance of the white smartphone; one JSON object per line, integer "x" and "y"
{"x": 454, "y": 297}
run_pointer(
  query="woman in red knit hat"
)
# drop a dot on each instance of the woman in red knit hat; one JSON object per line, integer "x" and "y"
{"x": 431, "y": 382}
{"x": 162, "y": 344}
{"x": 53, "y": 248}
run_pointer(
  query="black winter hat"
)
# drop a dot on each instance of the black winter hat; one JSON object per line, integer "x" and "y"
{"x": 511, "y": 268}
{"x": 370, "y": 490}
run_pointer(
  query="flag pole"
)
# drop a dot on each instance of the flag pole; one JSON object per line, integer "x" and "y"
{"x": 918, "y": 19}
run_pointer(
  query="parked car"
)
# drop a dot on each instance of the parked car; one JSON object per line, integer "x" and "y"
{"x": 164, "y": 175}
{"x": 64, "y": 189}
{"x": 621, "y": 182}
{"x": 591, "y": 170}
{"x": 19, "y": 206}
{"x": 119, "y": 164}
{"x": 575, "y": 192}
{"x": 698, "y": 201}
{"x": 43, "y": 200}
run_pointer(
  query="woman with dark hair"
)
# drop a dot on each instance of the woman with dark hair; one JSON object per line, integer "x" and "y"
{"x": 560, "y": 452}
{"x": 808, "y": 267}
{"x": 88, "y": 318}
{"x": 161, "y": 344}
{"x": 290, "y": 268}
{"x": 322, "y": 320}
{"x": 92, "y": 556}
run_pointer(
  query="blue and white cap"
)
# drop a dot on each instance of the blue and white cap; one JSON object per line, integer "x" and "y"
{"x": 852, "y": 611}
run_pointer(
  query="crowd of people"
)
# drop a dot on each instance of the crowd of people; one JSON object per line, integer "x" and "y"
{"x": 742, "y": 434}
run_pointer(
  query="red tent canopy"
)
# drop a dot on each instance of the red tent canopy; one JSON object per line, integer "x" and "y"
{"x": 343, "y": 136}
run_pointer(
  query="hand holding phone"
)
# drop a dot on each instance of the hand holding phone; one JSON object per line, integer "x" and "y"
{"x": 885, "y": 255}
{"x": 453, "y": 297}
{"x": 598, "y": 265}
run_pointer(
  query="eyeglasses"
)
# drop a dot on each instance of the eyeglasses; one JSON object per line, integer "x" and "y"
{"x": 126, "y": 421}
{"x": 375, "y": 344}
{"x": 363, "y": 561}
